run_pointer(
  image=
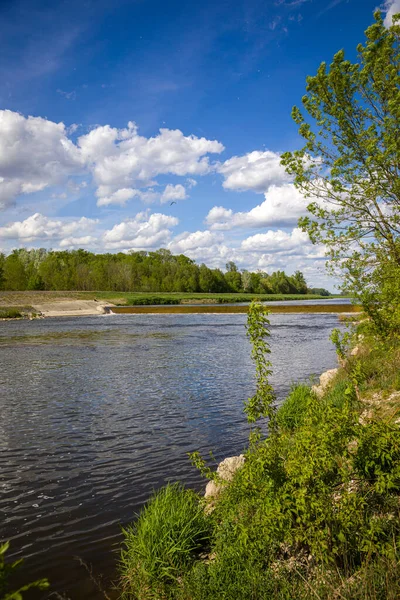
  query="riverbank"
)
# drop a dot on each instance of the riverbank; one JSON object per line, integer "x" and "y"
{"x": 33, "y": 304}
{"x": 312, "y": 511}
{"x": 221, "y": 309}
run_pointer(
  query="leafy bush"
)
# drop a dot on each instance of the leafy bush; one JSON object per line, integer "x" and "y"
{"x": 161, "y": 545}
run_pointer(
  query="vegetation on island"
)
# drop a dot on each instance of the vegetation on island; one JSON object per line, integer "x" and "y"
{"x": 314, "y": 512}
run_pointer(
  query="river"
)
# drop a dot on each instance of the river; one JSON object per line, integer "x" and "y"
{"x": 96, "y": 412}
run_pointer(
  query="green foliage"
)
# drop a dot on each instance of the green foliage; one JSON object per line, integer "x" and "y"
{"x": 342, "y": 342}
{"x": 341, "y": 393}
{"x": 7, "y": 570}
{"x": 10, "y": 313}
{"x": 262, "y": 403}
{"x": 162, "y": 544}
{"x": 159, "y": 271}
{"x": 292, "y": 412}
{"x": 314, "y": 507}
{"x": 152, "y": 300}
{"x": 348, "y": 168}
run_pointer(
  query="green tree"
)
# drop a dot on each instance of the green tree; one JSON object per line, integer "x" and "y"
{"x": 2, "y": 261}
{"x": 299, "y": 282}
{"x": 349, "y": 167}
{"x": 14, "y": 272}
{"x": 233, "y": 278}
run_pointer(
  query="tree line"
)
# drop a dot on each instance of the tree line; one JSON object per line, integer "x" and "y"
{"x": 158, "y": 271}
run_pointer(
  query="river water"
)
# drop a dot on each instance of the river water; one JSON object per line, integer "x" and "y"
{"x": 96, "y": 412}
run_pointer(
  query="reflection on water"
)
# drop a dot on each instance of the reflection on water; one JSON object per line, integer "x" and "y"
{"x": 96, "y": 412}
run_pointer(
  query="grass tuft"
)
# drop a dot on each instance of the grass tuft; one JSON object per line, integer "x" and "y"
{"x": 170, "y": 533}
{"x": 292, "y": 412}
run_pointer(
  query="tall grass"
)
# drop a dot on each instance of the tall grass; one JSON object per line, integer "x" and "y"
{"x": 292, "y": 412}
{"x": 159, "y": 547}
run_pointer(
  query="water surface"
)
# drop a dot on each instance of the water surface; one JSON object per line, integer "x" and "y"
{"x": 96, "y": 412}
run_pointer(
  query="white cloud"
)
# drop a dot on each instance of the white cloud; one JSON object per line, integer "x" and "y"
{"x": 34, "y": 153}
{"x": 195, "y": 241}
{"x": 283, "y": 205}
{"x": 255, "y": 171}
{"x": 148, "y": 196}
{"x": 39, "y": 227}
{"x": 277, "y": 241}
{"x": 286, "y": 244}
{"x": 79, "y": 242}
{"x": 141, "y": 231}
{"x": 121, "y": 158}
{"x": 119, "y": 197}
{"x": 191, "y": 182}
{"x": 205, "y": 247}
{"x": 392, "y": 7}
{"x": 173, "y": 192}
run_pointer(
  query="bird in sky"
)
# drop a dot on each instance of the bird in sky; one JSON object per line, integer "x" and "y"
{"x": 172, "y": 203}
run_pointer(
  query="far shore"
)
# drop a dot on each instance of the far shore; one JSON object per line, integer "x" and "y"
{"x": 54, "y": 305}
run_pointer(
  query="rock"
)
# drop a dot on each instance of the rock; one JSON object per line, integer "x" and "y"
{"x": 325, "y": 381}
{"x": 228, "y": 467}
{"x": 226, "y": 470}
{"x": 212, "y": 489}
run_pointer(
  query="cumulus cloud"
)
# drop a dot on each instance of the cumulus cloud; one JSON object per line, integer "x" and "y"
{"x": 392, "y": 7}
{"x": 255, "y": 171}
{"x": 141, "y": 231}
{"x": 283, "y": 205}
{"x": 84, "y": 241}
{"x": 196, "y": 240}
{"x": 173, "y": 192}
{"x": 119, "y": 197}
{"x": 148, "y": 196}
{"x": 36, "y": 153}
{"x": 121, "y": 158}
{"x": 39, "y": 227}
{"x": 295, "y": 242}
{"x": 205, "y": 246}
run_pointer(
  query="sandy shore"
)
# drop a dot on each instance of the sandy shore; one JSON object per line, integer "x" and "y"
{"x": 71, "y": 308}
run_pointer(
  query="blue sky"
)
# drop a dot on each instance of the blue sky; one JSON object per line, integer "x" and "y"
{"x": 113, "y": 109}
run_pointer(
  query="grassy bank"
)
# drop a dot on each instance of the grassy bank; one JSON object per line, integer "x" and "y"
{"x": 314, "y": 512}
{"x": 11, "y": 299}
{"x": 220, "y": 308}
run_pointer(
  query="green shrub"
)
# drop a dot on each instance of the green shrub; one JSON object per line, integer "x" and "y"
{"x": 162, "y": 544}
{"x": 10, "y": 313}
{"x": 152, "y": 300}
{"x": 292, "y": 412}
